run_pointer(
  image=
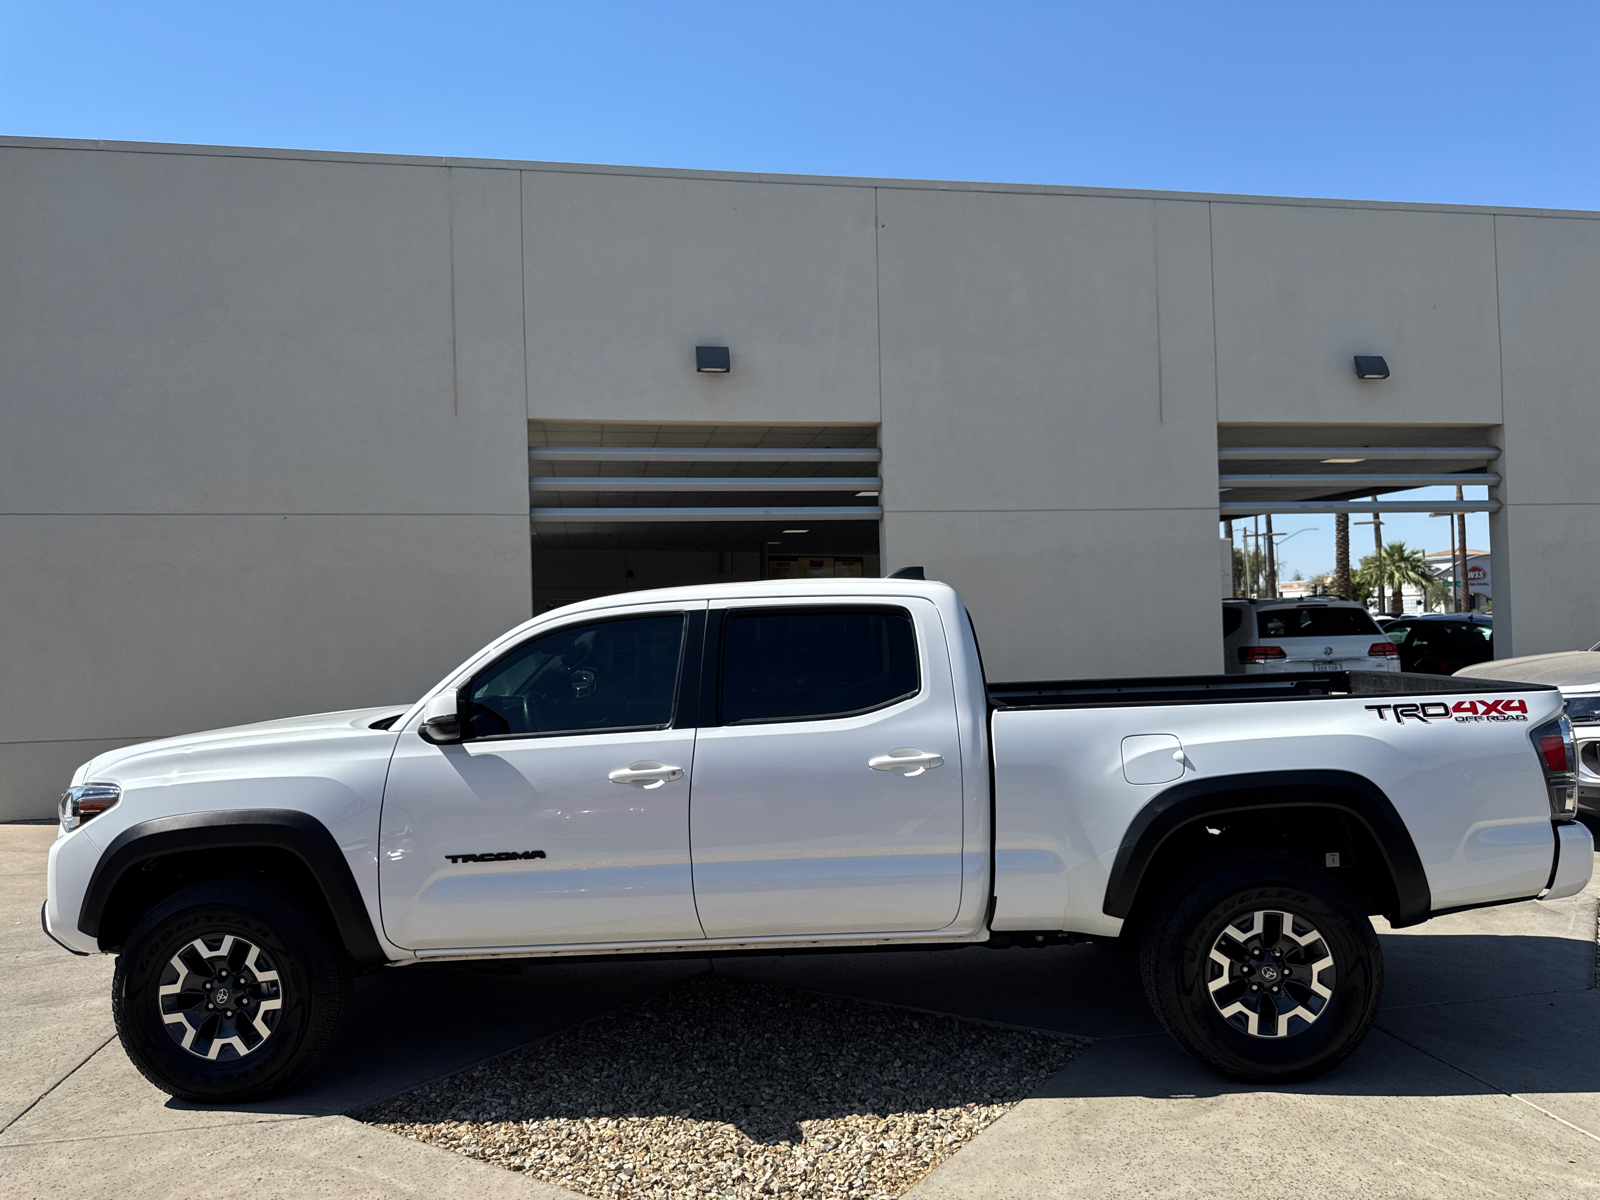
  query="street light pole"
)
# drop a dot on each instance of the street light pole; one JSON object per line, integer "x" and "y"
{"x": 1233, "y": 580}
{"x": 1272, "y": 562}
{"x": 1377, "y": 547}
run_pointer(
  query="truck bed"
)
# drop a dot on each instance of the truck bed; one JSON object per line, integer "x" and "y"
{"x": 1231, "y": 689}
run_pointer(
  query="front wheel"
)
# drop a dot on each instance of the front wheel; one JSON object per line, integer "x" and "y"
{"x": 228, "y": 990}
{"x": 1264, "y": 970}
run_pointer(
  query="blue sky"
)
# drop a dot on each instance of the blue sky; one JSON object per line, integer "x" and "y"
{"x": 1454, "y": 102}
{"x": 1466, "y": 102}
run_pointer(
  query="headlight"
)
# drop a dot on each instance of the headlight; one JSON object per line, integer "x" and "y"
{"x": 82, "y": 801}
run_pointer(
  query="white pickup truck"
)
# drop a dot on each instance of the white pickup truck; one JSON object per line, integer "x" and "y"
{"x": 799, "y": 765}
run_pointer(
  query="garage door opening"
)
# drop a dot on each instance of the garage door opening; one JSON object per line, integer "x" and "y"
{"x": 619, "y": 506}
{"x": 1394, "y": 516}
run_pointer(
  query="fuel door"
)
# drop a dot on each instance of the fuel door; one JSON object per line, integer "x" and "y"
{"x": 1152, "y": 758}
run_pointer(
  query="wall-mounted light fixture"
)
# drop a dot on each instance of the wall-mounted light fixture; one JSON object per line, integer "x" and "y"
{"x": 711, "y": 360}
{"x": 1368, "y": 366}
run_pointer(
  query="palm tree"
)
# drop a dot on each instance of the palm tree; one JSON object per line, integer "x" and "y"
{"x": 1391, "y": 568}
{"x": 1341, "y": 553}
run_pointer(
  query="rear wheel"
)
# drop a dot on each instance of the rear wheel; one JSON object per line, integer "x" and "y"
{"x": 1264, "y": 970}
{"x": 229, "y": 990}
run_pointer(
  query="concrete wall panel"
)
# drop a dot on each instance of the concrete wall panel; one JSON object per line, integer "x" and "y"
{"x": 1020, "y": 353}
{"x": 1075, "y": 594}
{"x": 1550, "y": 601}
{"x": 627, "y": 274}
{"x": 206, "y": 334}
{"x": 1549, "y": 307}
{"x": 1301, "y": 290}
{"x": 133, "y": 627}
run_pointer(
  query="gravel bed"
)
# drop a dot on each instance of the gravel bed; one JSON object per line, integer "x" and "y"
{"x": 722, "y": 1087}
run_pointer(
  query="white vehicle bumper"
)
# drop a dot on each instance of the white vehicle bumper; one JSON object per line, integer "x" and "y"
{"x": 72, "y": 863}
{"x": 1574, "y": 864}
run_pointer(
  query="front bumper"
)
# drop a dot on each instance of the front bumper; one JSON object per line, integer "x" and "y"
{"x": 72, "y": 862}
{"x": 1574, "y": 861}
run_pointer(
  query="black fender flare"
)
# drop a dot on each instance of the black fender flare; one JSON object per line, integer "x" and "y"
{"x": 1344, "y": 791}
{"x": 300, "y": 834}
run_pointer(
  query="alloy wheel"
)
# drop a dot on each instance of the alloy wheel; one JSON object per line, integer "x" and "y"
{"x": 1271, "y": 974}
{"x": 220, "y": 997}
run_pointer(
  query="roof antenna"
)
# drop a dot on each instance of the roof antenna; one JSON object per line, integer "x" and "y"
{"x": 908, "y": 573}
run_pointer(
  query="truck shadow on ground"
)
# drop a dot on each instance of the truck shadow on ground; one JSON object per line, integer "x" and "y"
{"x": 1454, "y": 1010}
{"x": 756, "y": 1056}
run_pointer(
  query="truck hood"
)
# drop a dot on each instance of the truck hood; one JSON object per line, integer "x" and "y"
{"x": 262, "y": 733}
{"x": 1568, "y": 668}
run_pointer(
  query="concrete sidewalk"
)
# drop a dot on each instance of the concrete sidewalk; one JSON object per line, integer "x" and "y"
{"x": 77, "y": 1120}
{"x": 1483, "y": 1079}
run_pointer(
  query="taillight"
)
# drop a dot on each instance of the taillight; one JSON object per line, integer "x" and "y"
{"x": 1558, "y": 756}
{"x": 1383, "y": 649}
{"x": 1255, "y": 654}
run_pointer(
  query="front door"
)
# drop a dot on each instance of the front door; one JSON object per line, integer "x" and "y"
{"x": 564, "y": 818}
{"x": 827, "y": 780}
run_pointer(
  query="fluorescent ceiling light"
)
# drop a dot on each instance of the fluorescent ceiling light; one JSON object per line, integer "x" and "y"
{"x": 1344, "y": 460}
{"x": 797, "y": 531}
{"x": 866, "y": 493}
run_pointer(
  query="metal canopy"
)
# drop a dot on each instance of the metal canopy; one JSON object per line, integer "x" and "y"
{"x": 1342, "y": 475}
{"x": 620, "y": 486}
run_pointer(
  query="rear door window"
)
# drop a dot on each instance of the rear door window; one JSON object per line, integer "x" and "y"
{"x": 1314, "y": 621}
{"x": 1232, "y": 618}
{"x": 815, "y": 663}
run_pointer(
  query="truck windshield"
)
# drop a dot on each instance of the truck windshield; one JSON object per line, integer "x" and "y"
{"x": 1314, "y": 620}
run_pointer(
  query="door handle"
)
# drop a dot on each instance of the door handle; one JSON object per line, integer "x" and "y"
{"x": 646, "y": 772}
{"x": 907, "y": 760}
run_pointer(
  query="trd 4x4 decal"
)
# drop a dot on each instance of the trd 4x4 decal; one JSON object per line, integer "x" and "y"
{"x": 1462, "y": 711}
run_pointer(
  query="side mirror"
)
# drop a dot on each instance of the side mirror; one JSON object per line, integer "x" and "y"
{"x": 441, "y": 721}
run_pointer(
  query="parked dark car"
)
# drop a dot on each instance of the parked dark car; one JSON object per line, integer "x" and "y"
{"x": 1442, "y": 643}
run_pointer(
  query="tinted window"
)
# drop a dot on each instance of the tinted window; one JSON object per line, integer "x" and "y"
{"x": 796, "y": 666}
{"x": 1583, "y": 709}
{"x": 604, "y": 675}
{"x": 1314, "y": 620}
{"x": 1397, "y": 633}
{"x": 1445, "y": 635}
{"x": 1232, "y": 618}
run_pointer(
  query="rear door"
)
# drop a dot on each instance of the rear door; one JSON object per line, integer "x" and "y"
{"x": 827, "y": 778}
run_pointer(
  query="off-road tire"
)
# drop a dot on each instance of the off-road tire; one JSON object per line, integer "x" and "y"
{"x": 313, "y": 980}
{"x": 1177, "y": 969}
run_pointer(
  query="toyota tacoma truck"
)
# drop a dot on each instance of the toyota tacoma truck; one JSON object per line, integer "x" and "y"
{"x": 801, "y": 765}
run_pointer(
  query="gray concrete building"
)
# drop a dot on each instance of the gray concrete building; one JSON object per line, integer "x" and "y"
{"x": 288, "y": 431}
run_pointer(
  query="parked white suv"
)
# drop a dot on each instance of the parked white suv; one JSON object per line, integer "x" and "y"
{"x": 1271, "y": 637}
